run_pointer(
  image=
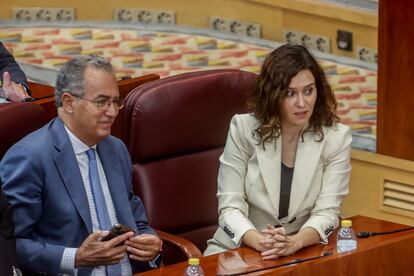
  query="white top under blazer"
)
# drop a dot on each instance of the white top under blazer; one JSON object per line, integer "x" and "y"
{"x": 249, "y": 183}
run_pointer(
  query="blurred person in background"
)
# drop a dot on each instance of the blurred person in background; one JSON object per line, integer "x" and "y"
{"x": 13, "y": 81}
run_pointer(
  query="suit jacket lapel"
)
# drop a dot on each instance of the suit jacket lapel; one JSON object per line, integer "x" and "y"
{"x": 68, "y": 168}
{"x": 269, "y": 161}
{"x": 306, "y": 162}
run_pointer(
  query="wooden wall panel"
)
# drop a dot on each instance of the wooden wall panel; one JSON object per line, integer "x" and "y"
{"x": 395, "y": 132}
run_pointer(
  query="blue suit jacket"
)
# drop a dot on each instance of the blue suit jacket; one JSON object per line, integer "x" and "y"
{"x": 43, "y": 183}
{"x": 7, "y": 63}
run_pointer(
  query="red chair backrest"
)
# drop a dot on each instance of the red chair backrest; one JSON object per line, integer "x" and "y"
{"x": 175, "y": 129}
{"x": 17, "y": 120}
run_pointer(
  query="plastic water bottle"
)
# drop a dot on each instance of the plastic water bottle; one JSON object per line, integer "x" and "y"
{"x": 346, "y": 239}
{"x": 193, "y": 268}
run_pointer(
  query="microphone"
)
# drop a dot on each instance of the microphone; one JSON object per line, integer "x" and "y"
{"x": 295, "y": 261}
{"x": 298, "y": 261}
{"x": 366, "y": 234}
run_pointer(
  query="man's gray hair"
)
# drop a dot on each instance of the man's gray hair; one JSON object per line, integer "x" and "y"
{"x": 70, "y": 78}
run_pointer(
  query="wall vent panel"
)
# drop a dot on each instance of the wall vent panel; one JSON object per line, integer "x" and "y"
{"x": 398, "y": 195}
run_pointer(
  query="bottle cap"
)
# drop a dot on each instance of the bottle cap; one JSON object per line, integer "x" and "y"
{"x": 346, "y": 223}
{"x": 193, "y": 261}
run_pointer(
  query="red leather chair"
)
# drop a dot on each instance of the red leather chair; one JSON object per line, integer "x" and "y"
{"x": 17, "y": 120}
{"x": 175, "y": 129}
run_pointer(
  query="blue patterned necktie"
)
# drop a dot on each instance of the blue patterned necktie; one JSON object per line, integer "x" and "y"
{"x": 100, "y": 204}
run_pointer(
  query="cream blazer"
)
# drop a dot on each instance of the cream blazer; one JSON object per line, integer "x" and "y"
{"x": 249, "y": 183}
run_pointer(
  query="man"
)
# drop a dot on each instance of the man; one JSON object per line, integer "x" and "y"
{"x": 12, "y": 79}
{"x": 7, "y": 240}
{"x": 70, "y": 179}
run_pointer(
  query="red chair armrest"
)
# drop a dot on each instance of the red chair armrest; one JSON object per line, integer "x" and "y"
{"x": 187, "y": 247}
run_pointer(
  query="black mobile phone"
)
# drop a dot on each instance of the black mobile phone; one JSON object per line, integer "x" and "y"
{"x": 116, "y": 230}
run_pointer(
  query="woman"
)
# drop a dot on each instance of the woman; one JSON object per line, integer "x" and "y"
{"x": 285, "y": 168}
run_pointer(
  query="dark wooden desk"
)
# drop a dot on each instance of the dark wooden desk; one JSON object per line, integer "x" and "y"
{"x": 41, "y": 90}
{"x": 46, "y": 98}
{"x": 378, "y": 255}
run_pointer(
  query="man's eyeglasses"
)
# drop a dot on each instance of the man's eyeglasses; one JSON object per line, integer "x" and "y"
{"x": 105, "y": 103}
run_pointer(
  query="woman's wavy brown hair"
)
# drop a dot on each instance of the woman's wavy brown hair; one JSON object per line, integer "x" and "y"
{"x": 270, "y": 89}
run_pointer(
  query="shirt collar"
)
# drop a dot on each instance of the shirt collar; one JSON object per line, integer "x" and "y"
{"x": 77, "y": 144}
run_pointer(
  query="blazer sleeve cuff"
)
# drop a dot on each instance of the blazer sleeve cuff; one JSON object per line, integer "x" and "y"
{"x": 324, "y": 229}
{"x": 67, "y": 264}
{"x": 235, "y": 226}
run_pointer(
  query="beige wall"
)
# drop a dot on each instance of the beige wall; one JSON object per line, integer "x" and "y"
{"x": 363, "y": 35}
{"x": 274, "y": 15}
